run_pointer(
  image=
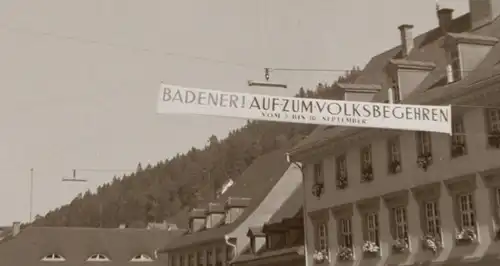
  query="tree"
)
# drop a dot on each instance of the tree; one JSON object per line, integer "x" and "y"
{"x": 162, "y": 190}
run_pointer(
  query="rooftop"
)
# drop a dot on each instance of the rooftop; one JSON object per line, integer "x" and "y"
{"x": 255, "y": 183}
{"x": 428, "y": 50}
{"x": 76, "y": 245}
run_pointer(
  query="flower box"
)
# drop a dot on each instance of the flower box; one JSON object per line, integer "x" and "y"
{"x": 457, "y": 149}
{"x": 317, "y": 190}
{"x": 465, "y": 236}
{"x": 342, "y": 182}
{"x": 494, "y": 139}
{"x": 370, "y": 249}
{"x": 320, "y": 256}
{"x": 400, "y": 245}
{"x": 345, "y": 254}
{"x": 424, "y": 160}
{"x": 432, "y": 243}
{"x": 367, "y": 173}
{"x": 395, "y": 167}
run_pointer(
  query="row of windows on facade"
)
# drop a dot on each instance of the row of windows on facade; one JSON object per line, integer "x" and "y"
{"x": 202, "y": 258}
{"x": 424, "y": 151}
{"x": 96, "y": 258}
{"x": 430, "y": 222}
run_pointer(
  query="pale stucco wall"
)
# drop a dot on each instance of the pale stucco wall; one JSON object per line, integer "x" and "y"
{"x": 479, "y": 158}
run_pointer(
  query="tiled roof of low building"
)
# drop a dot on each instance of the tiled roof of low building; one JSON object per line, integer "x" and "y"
{"x": 255, "y": 183}
{"x": 76, "y": 245}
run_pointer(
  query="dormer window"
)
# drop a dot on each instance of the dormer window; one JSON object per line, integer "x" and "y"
{"x": 98, "y": 257}
{"x": 53, "y": 257}
{"x": 396, "y": 95}
{"x": 455, "y": 63}
{"x": 141, "y": 258}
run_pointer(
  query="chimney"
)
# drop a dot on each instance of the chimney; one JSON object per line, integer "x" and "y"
{"x": 483, "y": 12}
{"x": 449, "y": 74}
{"x": 445, "y": 17}
{"x": 215, "y": 215}
{"x": 390, "y": 95}
{"x": 16, "y": 228}
{"x": 197, "y": 219}
{"x": 406, "y": 39}
{"x": 235, "y": 207}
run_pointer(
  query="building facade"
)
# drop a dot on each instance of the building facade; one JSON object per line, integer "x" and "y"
{"x": 385, "y": 197}
{"x": 218, "y": 230}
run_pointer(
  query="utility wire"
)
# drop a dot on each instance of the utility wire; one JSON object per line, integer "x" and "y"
{"x": 58, "y": 36}
{"x": 120, "y": 46}
{"x": 102, "y": 170}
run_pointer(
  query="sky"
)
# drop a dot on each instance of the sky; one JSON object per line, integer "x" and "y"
{"x": 79, "y": 79}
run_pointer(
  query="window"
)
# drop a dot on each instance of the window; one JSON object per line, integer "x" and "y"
{"x": 190, "y": 259}
{"x": 341, "y": 172}
{"x": 345, "y": 233}
{"x": 400, "y": 223}
{"x": 493, "y": 130}
{"x": 318, "y": 173}
{"x": 432, "y": 220}
{"x": 466, "y": 211}
{"x": 366, "y": 164}
{"x": 201, "y": 258}
{"x": 269, "y": 242}
{"x": 423, "y": 143}
{"x": 141, "y": 258}
{"x": 458, "y": 141}
{"x": 219, "y": 257}
{"x": 395, "y": 91}
{"x": 98, "y": 257}
{"x": 394, "y": 151}
{"x": 322, "y": 235}
{"x": 497, "y": 204}
{"x": 366, "y": 156}
{"x": 372, "y": 228}
{"x": 210, "y": 257}
{"x": 455, "y": 64}
{"x": 172, "y": 260}
{"x": 424, "y": 149}
{"x": 232, "y": 214}
{"x": 397, "y": 95}
{"x": 53, "y": 257}
{"x": 229, "y": 253}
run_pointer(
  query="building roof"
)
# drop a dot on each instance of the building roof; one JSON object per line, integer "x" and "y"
{"x": 76, "y": 245}
{"x": 255, "y": 183}
{"x": 291, "y": 208}
{"x": 427, "y": 48}
{"x": 292, "y": 253}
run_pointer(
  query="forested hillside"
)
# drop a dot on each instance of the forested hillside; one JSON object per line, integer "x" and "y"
{"x": 156, "y": 192}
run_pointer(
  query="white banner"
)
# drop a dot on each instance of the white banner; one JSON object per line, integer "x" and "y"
{"x": 180, "y": 100}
